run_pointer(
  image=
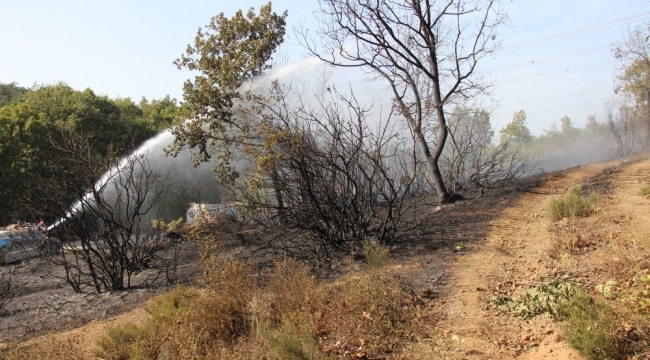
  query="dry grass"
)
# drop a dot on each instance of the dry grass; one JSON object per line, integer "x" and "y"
{"x": 370, "y": 314}
{"x": 50, "y": 349}
{"x": 572, "y": 205}
{"x": 373, "y": 313}
{"x": 289, "y": 342}
{"x": 591, "y": 328}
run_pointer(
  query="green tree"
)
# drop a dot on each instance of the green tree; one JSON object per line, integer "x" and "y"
{"x": 594, "y": 128}
{"x": 22, "y": 135}
{"x": 634, "y": 53}
{"x": 225, "y": 53}
{"x": 29, "y": 129}
{"x": 567, "y": 128}
{"x": 159, "y": 114}
{"x": 11, "y": 92}
{"x": 516, "y": 132}
{"x": 81, "y": 112}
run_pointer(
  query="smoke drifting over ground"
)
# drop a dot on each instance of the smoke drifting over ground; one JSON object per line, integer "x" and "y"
{"x": 575, "y": 154}
{"x": 309, "y": 81}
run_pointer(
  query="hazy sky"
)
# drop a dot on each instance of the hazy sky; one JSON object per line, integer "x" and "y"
{"x": 556, "y": 57}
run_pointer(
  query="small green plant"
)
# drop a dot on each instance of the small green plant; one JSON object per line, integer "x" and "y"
{"x": 121, "y": 342}
{"x": 377, "y": 255}
{"x": 458, "y": 246}
{"x": 545, "y": 298}
{"x": 608, "y": 289}
{"x": 167, "y": 227}
{"x": 289, "y": 342}
{"x": 573, "y": 205}
{"x": 590, "y": 328}
{"x": 645, "y": 191}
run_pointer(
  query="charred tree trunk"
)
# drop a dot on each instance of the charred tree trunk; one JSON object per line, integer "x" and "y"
{"x": 432, "y": 162}
{"x": 647, "y": 120}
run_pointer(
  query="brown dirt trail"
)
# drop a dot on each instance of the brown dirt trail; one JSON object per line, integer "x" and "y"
{"x": 515, "y": 255}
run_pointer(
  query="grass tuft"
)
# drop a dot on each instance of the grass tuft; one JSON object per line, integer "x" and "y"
{"x": 121, "y": 343}
{"x": 573, "y": 205}
{"x": 49, "y": 349}
{"x": 645, "y": 191}
{"x": 377, "y": 255}
{"x": 289, "y": 342}
{"x": 590, "y": 327}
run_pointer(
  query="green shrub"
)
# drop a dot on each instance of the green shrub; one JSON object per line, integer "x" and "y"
{"x": 645, "y": 191}
{"x": 590, "y": 327}
{"x": 165, "y": 308}
{"x": 573, "y": 205}
{"x": 121, "y": 343}
{"x": 188, "y": 323}
{"x": 377, "y": 256}
{"x": 291, "y": 343}
{"x": 545, "y": 298}
{"x": 130, "y": 341}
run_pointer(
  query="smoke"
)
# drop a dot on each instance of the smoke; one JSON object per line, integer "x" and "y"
{"x": 576, "y": 153}
{"x": 310, "y": 79}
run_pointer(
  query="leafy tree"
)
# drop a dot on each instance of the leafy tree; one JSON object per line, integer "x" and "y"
{"x": 80, "y": 111}
{"x": 568, "y": 130}
{"x": 22, "y": 134}
{"x": 159, "y": 114}
{"x": 634, "y": 53}
{"x": 516, "y": 132}
{"x": 594, "y": 128}
{"x": 11, "y": 92}
{"x": 427, "y": 51}
{"x": 30, "y": 126}
{"x": 225, "y": 53}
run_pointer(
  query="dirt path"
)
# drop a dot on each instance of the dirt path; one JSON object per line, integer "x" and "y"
{"x": 515, "y": 254}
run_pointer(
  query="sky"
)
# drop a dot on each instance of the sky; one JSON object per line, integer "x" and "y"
{"x": 555, "y": 59}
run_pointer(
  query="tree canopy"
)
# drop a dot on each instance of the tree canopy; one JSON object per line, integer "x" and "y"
{"x": 516, "y": 132}
{"x": 226, "y": 53}
{"x": 35, "y": 119}
{"x": 634, "y": 53}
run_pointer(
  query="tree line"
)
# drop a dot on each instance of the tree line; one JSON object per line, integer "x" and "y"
{"x": 33, "y": 120}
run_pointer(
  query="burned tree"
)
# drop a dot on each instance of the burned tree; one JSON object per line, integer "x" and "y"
{"x": 7, "y": 287}
{"x": 634, "y": 54}
{"x": 427, "y": 51}
{"x": 471, "y": 160}
{"x": 105, "y": 229}
{"x": 622, "y": 124}
{"x": 341, "y": 182}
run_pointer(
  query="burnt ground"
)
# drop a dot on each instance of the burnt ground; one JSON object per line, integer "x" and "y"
{"x": 497, "y": 242}
{"x": 45, "y": 303}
